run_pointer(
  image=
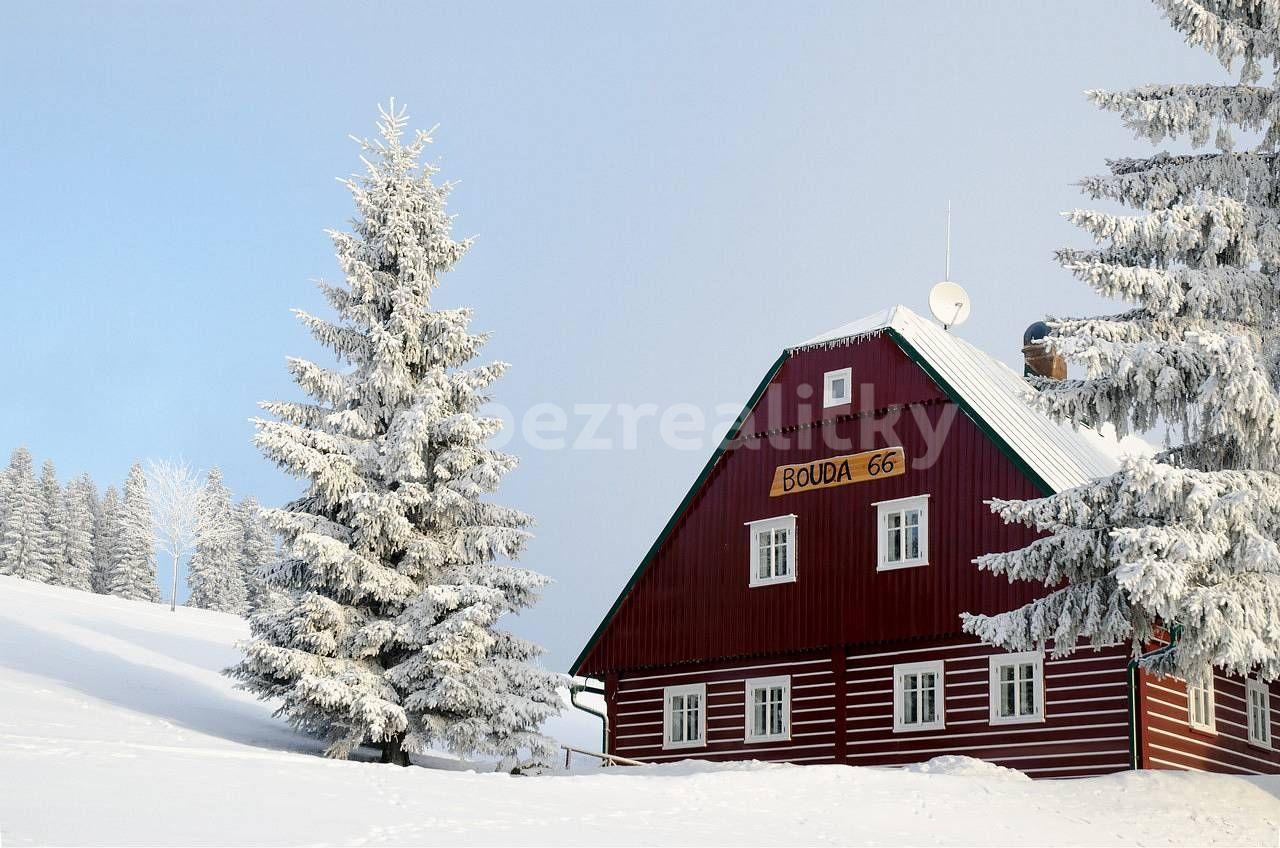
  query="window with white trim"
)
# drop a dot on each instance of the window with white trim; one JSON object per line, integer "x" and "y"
{"x": 1200, "y": 712}
{"x": 918, "y": 701}
{"x": 837, "y": 387}
{"x": 768, "y": 708}
{"x": 684, "y": 710}
{"x": 773, "y": 550}
{"x": 1258, "y": 706}
{"x": 1017, "y": 687}
{"x": 902, "y": 534}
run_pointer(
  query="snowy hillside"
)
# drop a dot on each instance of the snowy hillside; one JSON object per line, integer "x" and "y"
{"x": 116, "y": 727}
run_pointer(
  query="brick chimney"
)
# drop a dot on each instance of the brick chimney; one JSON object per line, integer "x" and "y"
{"x": 1037, "y": 358}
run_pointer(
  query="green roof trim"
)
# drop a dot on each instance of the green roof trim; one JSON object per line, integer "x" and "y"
{"x": 720, "y": 451}
{"x": 915, "y": 356}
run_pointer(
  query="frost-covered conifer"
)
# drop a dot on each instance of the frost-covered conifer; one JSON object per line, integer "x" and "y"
{"x": 24, "y": 534}
{"x": 106, "y": 521}
{"x": 396, "y": 560}
{"x": 257, "y": 553}
{"x": 214, "y": 571}
{"x": 75, "y": 561}
{"x": 51, "y": 508}
{"x": 1187, "y": 540}
{"x": 133, "y": 565}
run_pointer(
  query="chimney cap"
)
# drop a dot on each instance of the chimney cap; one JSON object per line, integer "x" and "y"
{"x": 1035, "y": 333}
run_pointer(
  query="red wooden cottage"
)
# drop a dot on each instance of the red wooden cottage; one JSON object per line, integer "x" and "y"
{"x": 802, "y": 604}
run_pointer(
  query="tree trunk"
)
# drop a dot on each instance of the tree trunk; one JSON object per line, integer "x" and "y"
{"x": 173, "y": 597}
{"x": 393, "y": 752}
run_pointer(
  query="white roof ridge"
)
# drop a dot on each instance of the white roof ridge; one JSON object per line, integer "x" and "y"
{"x": 989, "y": 390}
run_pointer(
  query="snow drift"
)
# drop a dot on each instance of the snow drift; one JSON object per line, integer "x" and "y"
{"x": 117, "y": 727}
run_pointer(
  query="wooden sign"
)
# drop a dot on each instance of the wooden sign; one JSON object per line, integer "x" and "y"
{"x": 838, "y": 471}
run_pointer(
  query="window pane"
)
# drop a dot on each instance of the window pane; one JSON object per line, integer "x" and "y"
{"x": 781, "y": 565}
{"x": 913, "y": 518}
{"x": 895, "y": 546}
{"x": 913, "y": 543}
{"x": 1006, "y": 707}
{"x": 928, "y": 698}
{"x": 693, "y": 725}
{"x": 1026, "y": 689}
{"x": 676, "y": 730}
{"x": 837, "y": 389}
{"x": 764, "y": 567}
{"x": 893, "y": 520}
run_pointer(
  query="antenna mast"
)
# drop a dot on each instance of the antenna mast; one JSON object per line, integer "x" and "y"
{"x": 947, "y": 276}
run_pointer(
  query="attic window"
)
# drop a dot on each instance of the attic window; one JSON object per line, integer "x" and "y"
{"x": 837, "y": 387}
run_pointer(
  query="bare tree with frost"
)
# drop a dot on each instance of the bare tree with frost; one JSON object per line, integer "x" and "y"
{"x": 174, "y": 490}
{"x": 397, "y": 564}
{"x": 1187, "y": 540}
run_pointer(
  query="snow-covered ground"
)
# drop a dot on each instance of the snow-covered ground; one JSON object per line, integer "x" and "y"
{"x": 116, "y": 727}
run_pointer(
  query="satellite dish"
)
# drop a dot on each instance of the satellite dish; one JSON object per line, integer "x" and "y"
{"x": 949, "y": 303}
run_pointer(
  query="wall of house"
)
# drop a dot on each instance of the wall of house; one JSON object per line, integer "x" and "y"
{"x": 842, "y": 711}
{"x": 699, "y": 576}
{"x": 1169, "y": 742}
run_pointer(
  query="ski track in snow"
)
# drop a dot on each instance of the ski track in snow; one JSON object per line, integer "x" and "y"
{"x": 116, "y": 727}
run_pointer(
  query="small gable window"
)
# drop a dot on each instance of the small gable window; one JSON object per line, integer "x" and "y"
{"x": 902, "y": 538}
{"x": 773, "y": 550}
{"x": 837, "y": 387}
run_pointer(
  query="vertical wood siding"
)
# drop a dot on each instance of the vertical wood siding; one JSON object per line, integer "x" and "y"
{"x": 693, "y": 602}
{"x": 1169, "y": 742}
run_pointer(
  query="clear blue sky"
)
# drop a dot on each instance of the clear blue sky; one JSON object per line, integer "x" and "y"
{"x": 665, "y": 195}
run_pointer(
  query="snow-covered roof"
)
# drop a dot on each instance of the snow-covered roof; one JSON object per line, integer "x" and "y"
{"x": 991, "y": 393}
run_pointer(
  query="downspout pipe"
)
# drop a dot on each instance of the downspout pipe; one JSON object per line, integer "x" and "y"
{"x": 576, "y": 688}
{"x": 1135, "y": 665}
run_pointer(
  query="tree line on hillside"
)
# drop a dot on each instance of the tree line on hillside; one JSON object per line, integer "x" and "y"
{"x": 72, "y": 535}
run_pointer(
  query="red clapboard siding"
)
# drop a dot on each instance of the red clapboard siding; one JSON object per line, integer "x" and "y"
{"x": 1169, "y": 742}
{"x": 1085, "y": 731}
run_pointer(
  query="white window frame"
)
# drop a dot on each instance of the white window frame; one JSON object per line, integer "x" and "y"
{"x": 752, "y": 685}
{"x": 1209, "y": 724}
{"x": 886, "y": 508}
{"x": 1254, "y": 687}
{"x": 779, "y": 522}
{"x": 829, "y": 398}
{"x": 998, "y": 661}
{"x": 900, "y": 672}
{"x": 699, "y": 689}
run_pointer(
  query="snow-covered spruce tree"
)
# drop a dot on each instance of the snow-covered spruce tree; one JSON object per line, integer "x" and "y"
{"x": 75, "y": 561}
{"x": 24, "y": 534}
{"x": 1186, "y": 541}
{"x": 395, "y": 559}
{"x": 257, "y": 553}
{"x": 106, "y": 520}
{"x": 132, "y": 572}
{"x": 51, "y": 508}
{"x": 213, "y": 574}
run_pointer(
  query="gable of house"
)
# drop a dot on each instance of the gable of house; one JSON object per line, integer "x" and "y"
{"x": 691, "y": 597}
